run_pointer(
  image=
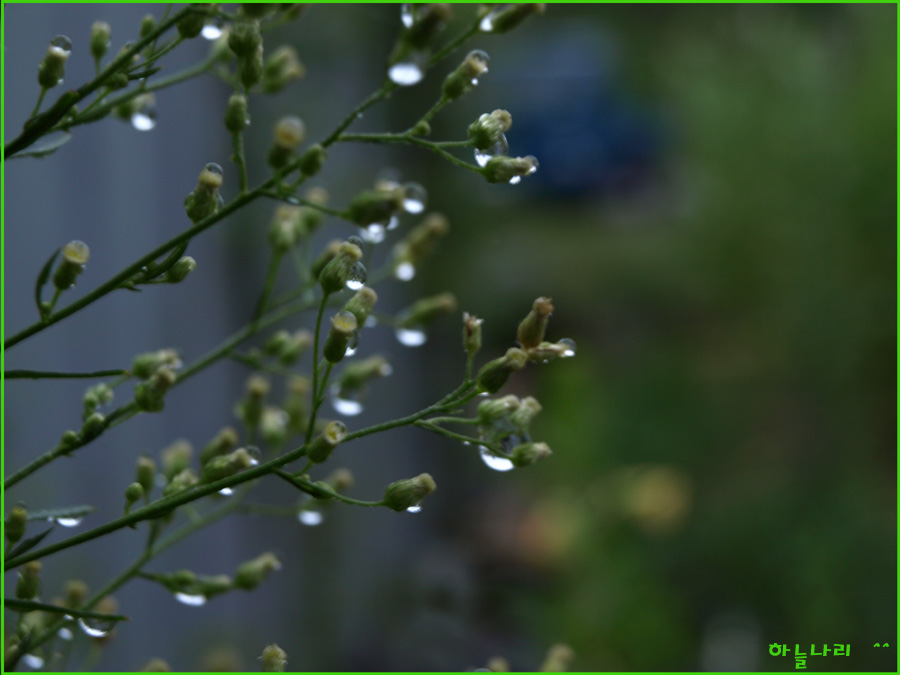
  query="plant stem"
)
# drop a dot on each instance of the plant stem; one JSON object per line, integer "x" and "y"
{"x": 315, "y": 372}
{"x": 271, "y": 274}
{"x": 426, "y": 424}
{"x": 37, "y": 106}
{"x": 411, "y": 140}
{"x": 46, "y": 375}
{"x": 386, "y": 88}
{"x": 238, "y": 158}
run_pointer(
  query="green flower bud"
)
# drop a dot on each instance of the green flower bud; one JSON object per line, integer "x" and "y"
{"x": 339, "y": 270}
{"x": 149, "y": 395}
{"x": 471, "y": 333}
{"x": 148, "y": 25}
{"x": 312, "y": 217}
{"x": 466, "y": 76}
{"x": 326, "y": 257}
{"x": 403, "y": 495}
{"x": 68, "y": 439}
{"x": 418, "y": 245}
{"x": 222, "y": 443}
{"x": 274, "y": 659}
{"x": 117, "y": 81}
{"x": 343, "y": 326}
{"x": 494, "y": 410}
{"x": 341, "y": 480}
{"x": 29, "y": 584}
{"x": 512, "y": 15}
{"x": 422, "y": 128}
{"x": 72, "y": 260}
{"x": 290, "y": 132}
{"x": 322, "y": 445}
{"x": 250, "y": 67}
{"x": 176, "y": 458}
{"x": 52, "y": 69}
{"x": 96, "y": 395}
{"x": 547, "y": 351}
{"x": 236, "y": 116}
{"x": 503, "y": 169}
{"x": 529, "y": 453}
{"x": 283, "y": 234}
{"x": 251, "y": 408}
{"x": 281, "y": 68}
{"x": 312, "y": 160}
{"x": 204, "y": 200}
{"x": 179, "y": 271}
{"x": 100, "y": 33}
{"x": 133, "y": 492}
{"x": 16, "y": 523}
{"x": 75, "y": 593}
{"x": 426, "y": 310}
{"x": 145, "y": 473}
{"x": 296, "y": 401}
{"x": 534, "y": 325}
{"x": 191, "y": 24}
{"x": 375, "y": 206}
{"x": 146, "y": 364}
{"x": 224, "y": 466}
{"x": 156, "y": 665}
{"x": 297, "y": 343}
{"x": 494, "y": 374}
{"x": 273, "y": 425}
{"x": 525, "y": 413}
{"x": 358, "y": 373}
{"x": 488, "y": 130}
{"x": 252, "y": 573}
{"x": 180, "y": 483}
{"x": 361, "y": 304}
{"x": 93, "y": 426}
{"x": 559, "y": 657}
{"x": 210, "y": 586}
{"x": 429, "y": 21}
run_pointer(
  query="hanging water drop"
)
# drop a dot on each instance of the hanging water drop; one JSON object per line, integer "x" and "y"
{"x": 358, "y": 276}
{"x": 569, "y": 347}
{"x": 406, "y": 73}
{"x": 500, "y": 148}
{"x": 310, "y": 517}
{"x": 68, "y": 522}
{"x": 415, "y": 508}
{"x": 62, "y": 43}
{"x": 226, "y": 492}
{"x": 393, "y": 222}
{"x": 407, "y": 14}
{"x": 255, "y": 454}
{"x": 191, "y": 599}
{"x": 212, "y": 30}
{"x": 293, "y": 201}
{"x": 404, "y": 271}
{"x": 356, "y": 241}
{"x": 352, "y": 345}
{"x": 495, "y": 462}
{"x": 345, "y": 402}
{"x": 411, "y": 337}
{"x": 373, "y": 233}
{"x": 481, "y": 61}
{"x": 33, "y": 661}
{"x": 414, "y": 198}
{"x": 144, "y": 118}
{"x": 64, "y": 634}
{"x": 96, "y": 631}
{"x": 370, "y": 322}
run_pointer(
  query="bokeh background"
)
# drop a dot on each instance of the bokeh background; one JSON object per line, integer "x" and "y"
{"x": 715, "y": 220}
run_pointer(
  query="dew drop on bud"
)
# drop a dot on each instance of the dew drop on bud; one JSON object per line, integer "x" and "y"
{"x": 226, "y": 492}
{"x": 352, "y": 345}
{"x": 62, "y": 43}
{"x": 409, "y": 72}
{"x": 414, "y": 197}
{"x": 191, "y": 599}
{"x": 144, "y": 118}
{"x": 407, "y": 14}
{"x": 495, "y": 462}
{"x": 356, "y": 241}
{"x": 346, "y": 403}
{"x": 487, "y": 23}
{"x": 68, "y": 522}
{"x": 94, "y": 629}
{"x": 358, "y": 276}
{"x": 310, "y": 517}
{"x": 415, "y": 508}
{"x": 500, "y": 148}
{"x": 212, "y": 30}
{"x": 33, "y": 661}
{"x": 411, "y": 337}
{"x": 570, "y": 347}
{"x": 373, "y": 233}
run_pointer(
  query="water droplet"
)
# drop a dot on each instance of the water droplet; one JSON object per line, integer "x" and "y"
{"x": 411, "y": 337}
{"x": 371, "y": 321}
{"x": 352, "y": 344}
{"x": 466, "y": 443}
{"x": 570, "y": 347}
{"x": 64, "y": 634}
{"x": 191, "y": 599}
{"x": 405, "y": 271}
{"x": 407, "y": 14}
{"x": 310, "y": 517}
{"x": 481, "y": 57}
{"x": 415, "y": 508}
{"x": 406, "y": 73}
{"x": 33, "y": 661}
{"x": 62, "y": 43}
{"x": 358, "y": 276}
{"x": 495, "y": 462}
{"x": 212, "y": 30}
{"x": 345, "y": 402}
{"x": 144, "y": 118}
{"x": 356, "y": 241}
{"x": 414, "y": 198}
{"x": 393, "y": 223}
{"x": 515, "y": 180}
{"x": 255, "y": 454}
{"x": 226, "y": 492}
{"x": 293, "y": 200}
{"x": 69, "y": 522}
{"x": 499, "y": 148}
{"x": 373, "y": 233}
{"x": 487, "y": 23}
{"x": 95, "y": 630}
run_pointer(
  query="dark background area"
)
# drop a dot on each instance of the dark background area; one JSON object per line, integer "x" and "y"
{"x": 715, "y": 219}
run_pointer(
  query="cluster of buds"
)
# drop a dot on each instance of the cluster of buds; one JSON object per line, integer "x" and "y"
{"x": 274, "y": 659}
{"x": 245, "y": 40}
{"x": 531, "y": 334}
{"x": 221, "y": 444}
{"x": 411, "y": 251}
{"x": 95, "y": 396}
{"x": 150, "y": 395}
{"x": 205, "y": 199}
{"x": 507, "y": 421}
{"x": 288, "y": 347}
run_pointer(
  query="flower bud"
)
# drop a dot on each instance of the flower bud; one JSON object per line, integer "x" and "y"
{"x": 222, "y": 443}
{"x": 245, "y": 38}
{"x": 29, "y": 584}
{"x": 251, "y": 408}
{"x": 494, "y": 374}
{"x": 93, "y": 426}
{"x": 16, "y": 523}
{"x": 295, "y": 403}
{"x": 403, "y": 494}
{"x": 341, "y": 480}
{"x": 281, "y": 68}
{"x": 514, "y": 14}
{"x": 343, "y": 326}
{"x": 525, "y": 413}
{"x": 149, "y": 395}
{"x": 488, "y": 130}
{"x": 133, "y": 492}
{"x": 191, "y": 24}
{"x": 252, "y": 573}
{"x": 322, "y": 445}
{"x": 274, "y": 659}
{"x": 465, "y": 77}
{"x": 312, "y": 160}
{"x": 534, "y": 325}
{"x": 100, "y": 33}
{"x": 290, "y": 132}
{"x": 327, "y": 255}
{"x": 361, "y": 304}
{"x": 95, "y": 396}
{"x": 236, "y": 116}
{"x": 176, "y": 458}
{"x": 339, "y": 269}
{"x": 559, "y": 657}
{"x": 52, "y": 69}
{"x": 471, "y": 333}
{"x": 145, "y": 473}
{"x": 250, "y": 67}
{"x": 148, "y": 25}
{"x": 283, "y": 233}
{"x": 547, "y": 351}
{"x": 273, "y": 425}
{"x": 529, "y": 453}
{"x": 204, "y": 200}
{"x": 494, "y": 410}
{"x": 375, "y": 206}
{"x": 180, "y": 483}
{"x": 224, "y": 466}
{"x": 75, "y": 593}
{"x": 179, "y": 271}
{"x": 426, "y": 310}
{"x": 420, "y": 242}
{"x": 72, "y": 260}
{"x": 358, "y": 373}
{"x": 146, "y": 364}
{"x": 503, "y": 169}
{"x": 209, "y": 586}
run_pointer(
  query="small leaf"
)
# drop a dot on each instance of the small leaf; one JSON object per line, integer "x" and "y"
{"x": 17, "y": 605}
{"x": 42, "y": 280}
{"x": 47, "y": 145}
{"x": 63, "y": 512}
{"x": 27, "y": 544}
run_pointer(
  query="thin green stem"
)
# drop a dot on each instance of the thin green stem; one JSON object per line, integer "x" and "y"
{"x": 37, "y": 106}
{"x": 454, "y": 44}
{"x": 315, "y": 372}
{"x": 317, "y": 491}
{"x": 239, "y": 159}
{"x": 263, "y": 302}
{"x": 386, "y": 88}
{"x": 441, "y": 102}
{"x": 410, "y": 140}
{"x": 453, "y": 420}
{"x": 48, "y": 375}
{"x": 426, "y": 424}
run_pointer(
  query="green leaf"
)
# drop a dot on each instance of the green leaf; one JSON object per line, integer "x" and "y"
{"x": 17, "y": 605}
{"x": 42, "y": 280}
{"x": 47, "y": 145}
{"x": 27, "y": 544}
{"x": 62, "y": 512}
